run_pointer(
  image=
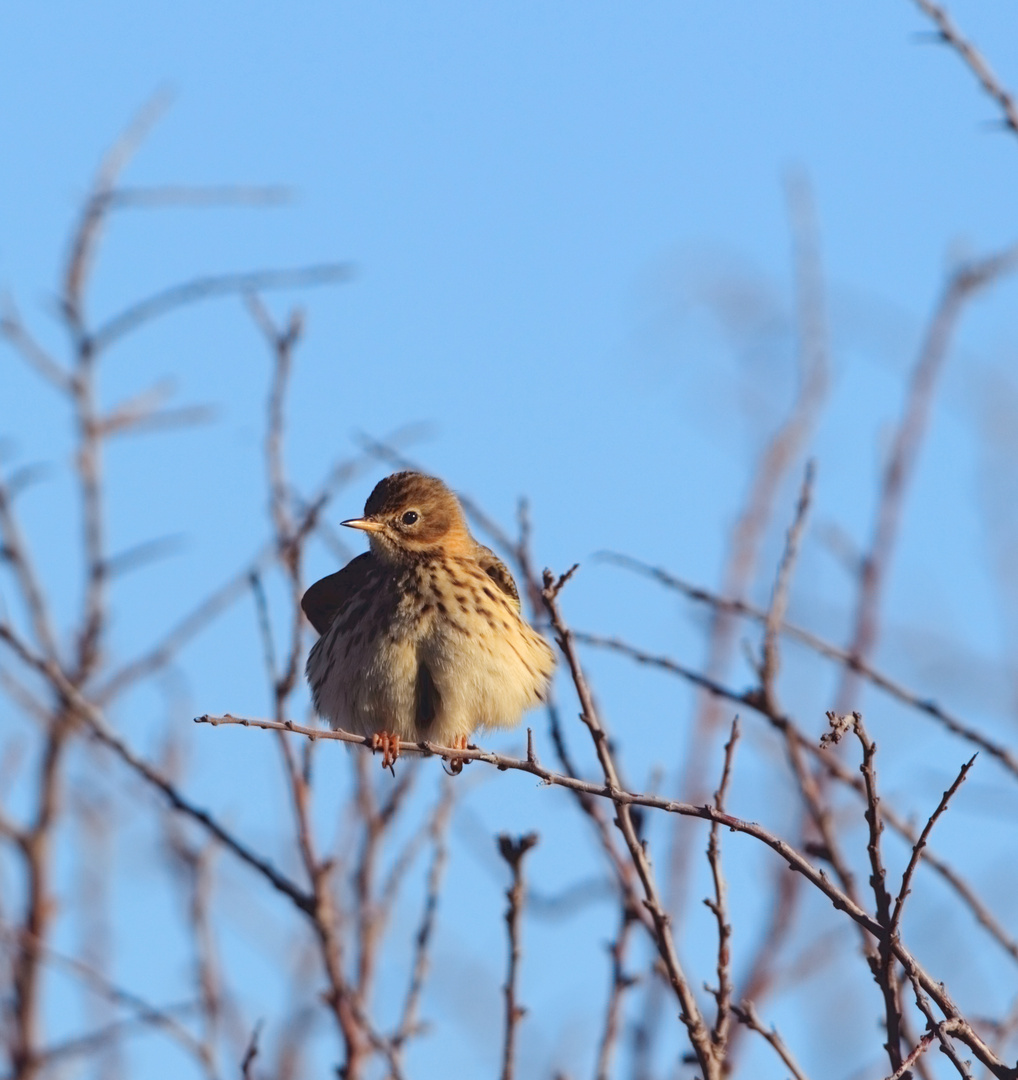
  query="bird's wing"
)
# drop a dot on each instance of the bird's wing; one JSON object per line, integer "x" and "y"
{"x": 323, "y": 601}
{"x": 497, "y": 570}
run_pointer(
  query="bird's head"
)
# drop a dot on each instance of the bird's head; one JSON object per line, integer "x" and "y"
{"x": 411, "y": 514}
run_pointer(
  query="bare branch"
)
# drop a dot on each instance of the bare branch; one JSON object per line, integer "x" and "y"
{"x": 97, "y": 725}
{"x": 247, "y": 1063}
{"x": 199, "y": 195}
{"x": 913, "y": 1056}
{"x": 782, "y": 584}
{"x": 513, "y": 851}
{"x": 746, "y": 1014}
{"x": 148, "y": 551}
{"x": 438, "y": 827}
{"x": 620, "y": 983}
{"x": 719, "y": 905}
{"x": 16, "y": 553}
{"x": 98, "y": 1040}
{"x": 87, "y": 235}
{"x": 18, "y": 337}
{"x": 161, "y": 1017}
{"x": 920, "y": 844}
{"x": 690, "y": 1015}
{"x": 623, "y": 800}
{"x": 974, "y": 60}
{"x": 211, "y": 287}
{"x": 942, "y": 1030}
{"x": 753, "y": 700}
{"x": 601, "y": 823}
{"x": 143, "y": 413}
{"x": 179, "y": 635}
{"x": 880, "y": 962}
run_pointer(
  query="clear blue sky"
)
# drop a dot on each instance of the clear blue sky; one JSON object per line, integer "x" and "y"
{"x": 537, "y": 199}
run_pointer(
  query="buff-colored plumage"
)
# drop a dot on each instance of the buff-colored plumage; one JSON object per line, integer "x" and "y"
{"x": 422, "y": 636}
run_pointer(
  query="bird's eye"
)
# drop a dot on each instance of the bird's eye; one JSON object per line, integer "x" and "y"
{"x": 410, "y": 517}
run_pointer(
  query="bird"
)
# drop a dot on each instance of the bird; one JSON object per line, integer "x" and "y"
{"x": 422, "y": 637}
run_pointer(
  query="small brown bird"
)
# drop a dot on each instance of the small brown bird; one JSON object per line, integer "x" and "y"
{"x": 422, "y": 636}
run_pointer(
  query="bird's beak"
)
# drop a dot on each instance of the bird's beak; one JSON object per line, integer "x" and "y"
{"x": 363, "y": 523}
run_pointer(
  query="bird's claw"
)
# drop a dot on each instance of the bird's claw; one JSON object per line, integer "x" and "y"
{"x": 456, "y": 764}
{"x": 389, "y": 745}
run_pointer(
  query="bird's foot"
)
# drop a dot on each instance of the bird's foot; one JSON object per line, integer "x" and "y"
{"x": 456, "y": 764}
{"x": 389, "y": 745}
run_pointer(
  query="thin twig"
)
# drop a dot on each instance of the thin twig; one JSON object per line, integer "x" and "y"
{"x": 913, "y": 1056}
{"x": 211, "y": 287}
{"x": 100, "y": 1039}
{"x": 757, "y": 701}
{"x": 192, "y": 865}
{"x": 746, "y": 1014}
{"x": 719, "y": 905}
{"x": 942, "y": 1030}
{"x": 513, "y": 851}
{"x": 93, "y": 217}
{"x": 974, "y": 60}
{"x": 247, "y": 1063}
{"x": 144, "y": 413}
{"x": 18, "y": 337}
{"x": 620, "y": 983}
{"x": 195, "y": 195}
{"x": 909, "y": 1032}
{"x": 438, "y": 827}
{"x": 782, "y": 584}
{"x": 920, "y": 845}
{"x": 881, "y": 961}
{"x": 813, "y": 810}
{"x": 592, "y": 808}
{"x": 16, "y": 554}
{"x": 161, "y": 1017}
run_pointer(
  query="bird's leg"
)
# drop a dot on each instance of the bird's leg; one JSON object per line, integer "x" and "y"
{"x": 389, "y": 745}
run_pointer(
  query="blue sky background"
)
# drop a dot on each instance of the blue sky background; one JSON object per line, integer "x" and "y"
{"x": 540, "y": 201}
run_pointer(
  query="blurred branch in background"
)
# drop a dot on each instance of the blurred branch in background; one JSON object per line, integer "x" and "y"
{"x": 777, "y": 459}
{"x": 962, "y": 285}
